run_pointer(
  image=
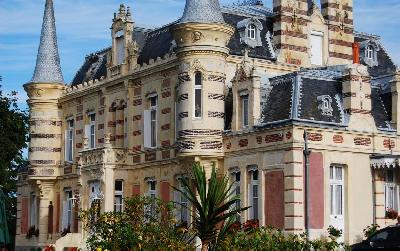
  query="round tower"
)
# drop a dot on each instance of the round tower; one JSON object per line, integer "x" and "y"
{"x": 202, "y": 37}
{"x": 45, "y": 146}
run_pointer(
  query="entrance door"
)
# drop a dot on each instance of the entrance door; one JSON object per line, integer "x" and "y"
{"x": 337, "y": 198}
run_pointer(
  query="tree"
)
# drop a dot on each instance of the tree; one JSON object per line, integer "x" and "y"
{"x": 213, "y": 203}
{"x": 13, "y": 138}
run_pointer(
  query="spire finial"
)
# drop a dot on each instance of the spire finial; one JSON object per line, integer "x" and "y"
{"x": 202, "y": 11}
{"x": 48, "y": 69}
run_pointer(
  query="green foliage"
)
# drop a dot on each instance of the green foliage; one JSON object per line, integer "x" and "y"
{"x": 334, "y": 232}
{"x": 213, "y": 203}
{"x": 370, "y": 230}
{"x": 13, "y": 137}
{"x": 267, "y": 238}
{"x": 145, "y": 224}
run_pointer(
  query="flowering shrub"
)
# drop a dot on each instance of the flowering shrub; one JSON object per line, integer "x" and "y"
{"x": 251, "y": 225}
{"x": 370, "y": 230}
{"x": 391, "y": 214}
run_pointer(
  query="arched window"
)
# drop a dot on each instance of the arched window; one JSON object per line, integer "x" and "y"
{"x": 251, "y": 31}
{"x": 198, "y": 95}
{"x": 369, "y": 52}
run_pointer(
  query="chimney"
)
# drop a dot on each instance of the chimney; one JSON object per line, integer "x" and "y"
{"x": 356, "y": 53}
{"x": 395, "y": 86}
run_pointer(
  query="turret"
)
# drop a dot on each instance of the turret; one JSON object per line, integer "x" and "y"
{"x": 44, "y": 90}
{"x": 202, "y": 37}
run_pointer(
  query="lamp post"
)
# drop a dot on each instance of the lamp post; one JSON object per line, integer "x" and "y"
{"x": 306, "y": 153}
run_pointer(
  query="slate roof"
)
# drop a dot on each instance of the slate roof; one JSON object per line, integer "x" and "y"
{"x": 158, "y": 42}
{"x": 294, "y": 97}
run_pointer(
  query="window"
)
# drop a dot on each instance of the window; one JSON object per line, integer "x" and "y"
{"x": 336, "y": 190}
{"x": 150, "y": 123}
{"x": 198, "y": 95}
{"x": 120, "y": 48}
{"x": 95, "y": 192}
{"x": 152, "y": 195}
{"x": 90, "y": 130}
{"x": 33, "y": 220}
{"x": 118, "y": 196}
{"x": 391, "y": 191}
{"x": 69, "y": 141}
{"x": 369, "y": 52}
{"x": 183, "y": 204}
{"x": 126, "y": 128}
{"x": 317, "y": 48}
{"x": 236, "y": 187}
{"x": 253, "y": 191}
{"x": 245, "y": 110}
{"x": 251, "y": 31}
{"x": 67, "y": 210}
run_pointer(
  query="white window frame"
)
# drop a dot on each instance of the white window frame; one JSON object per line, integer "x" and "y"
{"x": 153, "y": 121}
{"x": 33, "y": 210}
{"x": 236, "y": 178}
{"x": 391, "y": 191}
{"x": 251, "y": 31}
{"x": 196, "y": 88}
{"x": 254, "y": 199}
{"x": 69, "y": 141}
{"x": 336, "y": 180}
{"x": 92, "y": 130}
{"x": 126, "y": 128}
{"x": 245, "y": 115}
{"x": 152, "y": 193}
{"x": 67, "y": 209}
{"x": 370, "y": 52}
{"x": 184, "y": 210}
{"x": 118, "y": 197}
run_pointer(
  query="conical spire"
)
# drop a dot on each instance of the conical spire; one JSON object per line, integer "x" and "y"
{"x": 202, "y": 11}
{"x": 48, "y": 69}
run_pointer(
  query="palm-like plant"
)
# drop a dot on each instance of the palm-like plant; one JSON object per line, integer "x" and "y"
{"x": 213, "y": 204}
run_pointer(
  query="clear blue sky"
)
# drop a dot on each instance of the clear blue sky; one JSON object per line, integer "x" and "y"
{"x": 83, "y": 27}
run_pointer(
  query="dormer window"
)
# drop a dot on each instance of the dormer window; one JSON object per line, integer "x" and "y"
{"x": 370, "y": 55}
{"x": 369, "y": 52}
{"x": 251, "y": 31}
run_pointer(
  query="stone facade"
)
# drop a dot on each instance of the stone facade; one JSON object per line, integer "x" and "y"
{"x": 144, "y": 111}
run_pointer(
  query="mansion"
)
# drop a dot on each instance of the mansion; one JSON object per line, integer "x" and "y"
{"x": 243, "y": 87}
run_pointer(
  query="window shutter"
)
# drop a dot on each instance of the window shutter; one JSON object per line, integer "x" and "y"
{"x": 396, "y": 198}
{"x": 65, "y": 215}
{"x": 25, "y": 215}
{"x": 165, "y": 195}
{"x": 87, "y": 131}
{"x": 316, "y": 183}
{"x": 274, "y": 199}
{"x": 65, "y": 145}
{"x": 250, "y": 201}
{"x": 147, "y": 128}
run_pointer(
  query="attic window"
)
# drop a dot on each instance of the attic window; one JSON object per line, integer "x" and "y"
{"x": 369, "y": 52}
{"x": 251, "y": 31}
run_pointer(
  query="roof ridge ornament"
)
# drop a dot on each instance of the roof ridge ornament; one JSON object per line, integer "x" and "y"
{"x": 48, "y": 69}
{"x": 202, "y": 11}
